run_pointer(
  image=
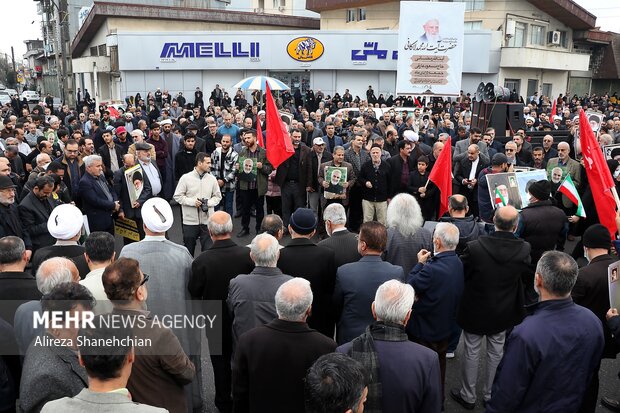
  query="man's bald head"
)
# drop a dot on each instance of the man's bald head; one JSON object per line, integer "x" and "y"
{"x": 293, "y": 300}
{"x": 563, "y": 145}
{"x": 56, "y": 271}
{"x": 265, "y": 250}
{"x": 506, "y": 219}
{"x": 220, "y": 224}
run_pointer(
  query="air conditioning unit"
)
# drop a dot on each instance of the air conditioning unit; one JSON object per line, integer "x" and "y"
{"x": 511, "y": 28}
{"x": 554, "y": 37}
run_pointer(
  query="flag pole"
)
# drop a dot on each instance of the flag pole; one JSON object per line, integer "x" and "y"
{"x": 615, "y": 192}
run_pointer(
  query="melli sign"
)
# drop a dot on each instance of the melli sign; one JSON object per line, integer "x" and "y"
{"x": 174, "y": 50}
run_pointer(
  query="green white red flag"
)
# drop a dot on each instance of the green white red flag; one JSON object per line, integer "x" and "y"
{"x": 499, "y": 199}
{"x": 568, "y": 188}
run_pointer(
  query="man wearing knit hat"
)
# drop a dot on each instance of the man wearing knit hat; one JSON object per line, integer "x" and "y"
{"x": 305, "y": 259}
{"x": 592, "y": 291}
{"x": 541, "y": 224}
{"x": 169, "y": 267}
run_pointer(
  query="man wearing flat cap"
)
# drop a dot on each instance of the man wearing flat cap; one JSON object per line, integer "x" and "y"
{"x": 169, "y": 267}
{"x": 305, "y": 259}
{"x": 592, "y": 291}
{"x": 10, "y": 224}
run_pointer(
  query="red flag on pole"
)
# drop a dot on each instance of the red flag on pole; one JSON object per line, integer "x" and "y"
{"x": 417, "y": 102}
{"x": 259, "y": 133}
{"x": 441, "y": 175}
{"x": 279, "y": 146}
{"x": 113, "y": 112}
{"x": 554, "y": 109}
{"x": 599, "y": 177}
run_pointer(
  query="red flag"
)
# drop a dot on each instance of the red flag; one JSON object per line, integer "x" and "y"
{"x": 416, "y": 102}
{"x": 599, "y": 177}
{"x": 113, "y": 112}
{"x": 554, "y": 109}
{"x": 259, "y": 133}
{"x": 279, "y": 146}
{"x": 441, "y": 175}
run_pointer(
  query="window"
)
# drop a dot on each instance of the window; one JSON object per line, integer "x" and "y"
{"x": 513, "y": 84}
{"x": 103, "y": 51}
{"x": 546, "y": 89}
{"x": 537, "y": 35}
{"x": 350, "y": 16}
{"x": 94, "y": 51}
{"x": 361, "y": 14}
{"x": 473, "y": 5}
{"x": 518, "y": 40}
{"x": 532, "y": 86}
{"x": 476, "y": 25}
{"x": 564, "y": 39}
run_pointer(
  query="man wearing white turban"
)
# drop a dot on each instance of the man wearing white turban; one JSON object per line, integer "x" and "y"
{"x": 169, "y": 268}
{"x": 65, "y": 225}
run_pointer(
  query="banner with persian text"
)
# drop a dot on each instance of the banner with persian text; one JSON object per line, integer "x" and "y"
{"x": 430, "y": 48}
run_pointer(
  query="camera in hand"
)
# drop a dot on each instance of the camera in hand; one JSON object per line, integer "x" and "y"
{"x": 204, "y": 207}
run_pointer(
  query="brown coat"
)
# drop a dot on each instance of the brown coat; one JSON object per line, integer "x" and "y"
{"x": 161, "y": 369}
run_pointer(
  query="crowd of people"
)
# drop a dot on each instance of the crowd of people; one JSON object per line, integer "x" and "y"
{"x": 353, "y": 291}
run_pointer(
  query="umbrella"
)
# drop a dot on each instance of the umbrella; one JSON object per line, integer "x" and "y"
{"x": 258, "y": 83}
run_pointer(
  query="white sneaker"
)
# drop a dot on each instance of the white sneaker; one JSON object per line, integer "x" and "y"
{"x": 449, "y": 355}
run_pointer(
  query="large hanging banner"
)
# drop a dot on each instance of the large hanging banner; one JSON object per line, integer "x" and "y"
{"x": 430, "y": 48}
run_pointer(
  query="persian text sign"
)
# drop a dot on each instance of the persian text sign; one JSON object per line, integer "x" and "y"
{"x": 430, "y": 48}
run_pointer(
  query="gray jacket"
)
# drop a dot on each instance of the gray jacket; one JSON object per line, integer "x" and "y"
{"x": 49, "y": 373}
{"x": 460, "y": 151}
{"x": 251, "y": 298}
{"x": 88, "y": 401}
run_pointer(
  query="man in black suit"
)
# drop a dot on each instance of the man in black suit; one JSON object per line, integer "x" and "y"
{"x": 466, "y": 174}
{"x": 317, "y": 156}
{"x": 73, "y": 166}
{"x": 131, "y": 210}
{"x": 341, "y": 241}
{"x": 397, "y": 179}
{"x": 592, "y": 291}
{"x": 211, "y": 273}
{"x": 271, "y": 361}
{"x": 35, "y": 210}
{"x": 99, "y": 201}
{"x": 305, "y": 259}
{"x": 111, "y": 155}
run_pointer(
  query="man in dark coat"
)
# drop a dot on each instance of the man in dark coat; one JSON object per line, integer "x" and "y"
{"x": 399, "y": 178}
{"x": 111, "y": 155}
{"x": 466, "y": 173}
{"x": 211, "y": 274}
{"x": 35, "y": 210}
{"x": 10, "y": 224}
{"x": 543, "y": 225}
{"x": 271, "y": 360}
{"x": 492, "y": 300}
{"x": 552, "y": 355}
{"x": 305, "y": 259}
{"x": 128, "y": 209}
{"x": 99, "y": 201}
{"x": 356, "y": 283}
{"x": 16, "y": 286}
{"x": 438, "y": 283}
{"x": 591, "y": 291}
{"x": 341, "y": 240}
{"x": 291, "y": 177}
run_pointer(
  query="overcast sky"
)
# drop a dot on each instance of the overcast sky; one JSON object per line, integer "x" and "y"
{"x": 17, "y": 23}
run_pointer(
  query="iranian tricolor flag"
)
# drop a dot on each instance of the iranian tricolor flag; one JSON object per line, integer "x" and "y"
{"x": 499, "y": 199}
{"x": 568, "y": 189}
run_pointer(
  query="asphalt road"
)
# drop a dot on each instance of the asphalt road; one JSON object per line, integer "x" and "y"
{"x": 609, "y": 381}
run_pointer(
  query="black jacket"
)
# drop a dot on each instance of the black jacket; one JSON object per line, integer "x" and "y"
{"x": 380, "y": 180}
{"x": 34, "y": 216}
{"x": 396, "y": 166}
{"x": 312, "y": 167}
{"x": 15, "y": 289}
{"x": 303, "y": 258}
{"x": 211, "y": 273}
{"x": 592, "y": 291}
{"x": 344, "y": 243}
{"x": 184, "y": 162}
{"x": 492, "y": 300}
{"x": 542, "y": 225}
{"x": 282, "y": 170}
{"x": 106, "y": 158}
{"x": 122, "y": 192}
{"x": 11, "y": 224}
{"x": 282, "y": 352}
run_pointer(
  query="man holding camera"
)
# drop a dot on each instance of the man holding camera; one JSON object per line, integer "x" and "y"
{"x": 198, "y": 193}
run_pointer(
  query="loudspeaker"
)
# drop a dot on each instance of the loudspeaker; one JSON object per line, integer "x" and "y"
{"x": 479, "y": 96}
{"x": 501, "y": 116}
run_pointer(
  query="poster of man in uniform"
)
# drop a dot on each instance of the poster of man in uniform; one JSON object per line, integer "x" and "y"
{"x": 336, "y": 176}
{"x": 430, "y": 48}
{"x": 247, "y": 169}
{"x": 134, "y": 177}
